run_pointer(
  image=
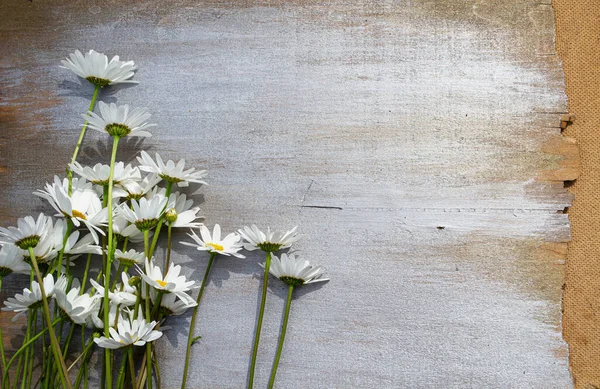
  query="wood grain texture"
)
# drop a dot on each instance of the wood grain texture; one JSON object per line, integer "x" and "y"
{"x": 416, "y": 144}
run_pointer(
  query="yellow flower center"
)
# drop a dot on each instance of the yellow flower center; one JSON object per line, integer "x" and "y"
{"x": 78, "y": 214}
{"x": 215, "y": 246}
{"x": 161, "y": 283}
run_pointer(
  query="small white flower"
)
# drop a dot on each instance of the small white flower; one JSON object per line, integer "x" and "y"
{"x": 172, "y": 282}
{"x": 76, "y": 246}
{"x": 117, "y": 297}
{"x": 32, "y": 299}
{"x": 144, "y": 214}
{"x": 138, "y": 189}
{"x": 95, "y": 68}
{"x": 99, "y": 175}
{"x": 170, "y": 305}
{"x": 295, "y": 271}
{"x": 83, "y": 206}
{"x": 11, "y": 261}
{"x": 129, "y": 332}
{"x": 181, "y": 213}
{"x": 121, "y": 230}
{"x": 76, "y": 307}
{"x": 130, "y": 257}
{"x": 119, "y": 120}
{"x": 269, "y": 241}
{"x": 27, "y": 233}
{"x": 230, "y": 245}
{"x": 170, "y": 171}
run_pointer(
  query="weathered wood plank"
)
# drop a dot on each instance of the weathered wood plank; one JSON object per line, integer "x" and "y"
{"x": 416, "y": 145}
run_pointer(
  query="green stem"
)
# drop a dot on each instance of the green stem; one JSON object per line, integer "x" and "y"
{"x": 260, "y": 320}
{"x": 131, "y": 364}
{"x": 146, "y": 244}
{"x": 160, "y": 222}
{"x": 68, "y": 340}
{"x": 148, "y": 345}
{"x": 193, "y": 321}
{"x": 85, "y": 273}
{"x": 62, "y": 368}
{"x": 157, "y": 369}
{"x": 19, "y": 351}
{"x": 62, "y": 250}
{"x": 28, "y": 349}
{"x": 121, "y": 376}
{"x": 80, "y": 140}
{"x": 109, "y": 259}
{"x": 2, "y": 354}
{"x": 84, "y": 362}
{"x": 156, "y": 308}
{"x": 168, "y": 261}
{"x": 286, "y": 315}
{"x": 32, "y": 354}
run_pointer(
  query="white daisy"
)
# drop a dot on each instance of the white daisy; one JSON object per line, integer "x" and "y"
{"x": 76, "y": 246}
{"x": 230, "y": 245}
{"x": 73, "y": 306}
{"x": 118, "y": 296}
{"x": 119, "y": 120}
{"x": 170, "y": 305}
{"x": 269, "y": 241}
{"x": 27, "y": 233}
{"x": 138, "y": 189}
{"x": 295, "y": 271}
{"x": 121, "y": 230}
{"x": 181, "y": 213}
{"x": 144, "y": 214}
{"x": 99, "y": 175}
{"x": 172, "y": 282}
{"x": 129, "y": 332}
{"x": 11, "y": 261}
{"x": 32, "y": 299}
{"x": 95, "y": 68}
{"x": 130, "y": 257}
{"x": 83, "y": 206}
{"x": 170, "y": 171}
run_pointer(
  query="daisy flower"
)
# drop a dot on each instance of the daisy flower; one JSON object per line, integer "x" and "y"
{"x": 182, "y": 214}
{"x": 144, "y": 215}
{"x": 73, "y": 306}
{"x": 119, "y": 121}
{"x": 32, "y": 299}
{"x": 172, "y": 282}
{"x": 230, "y": 245}
{"x": 99, "y": 175}
{"x": 27, "y": 233}
{"x": 120, "y": 224}
{"x": 130, "y": 257}
{"x": 170, "y": 171}
{"x": 83, "y": 206}
{"x": 11, "y": 261}
{"x": 170, "y": 305}
{"x": 124, "y": 297}
{"x": 129, "y": 332}
{"x": 96, "y": 68}
{"x": 138, "y": 189}
{"x": 269, "y": 241}
{"x": 295, "y": 271}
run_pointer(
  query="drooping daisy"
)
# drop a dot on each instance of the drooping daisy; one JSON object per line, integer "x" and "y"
{"x": 269, "y": 241}
{"x": 27, "y": 233}
{"x": 230, "y": 245}
{"x": 123, "y": 297}
{"x": 171, "y": 282}
{"x": 130, "y": 257}
{"x": 138, "y": 189}
{"x": 96, "y": 68}
{"x": 170, "y": 171}
{"x": 11, "y": 261}
{"x": 144, "y": 215}
{"x": 119, "y": 121}
{"x": 129, "y": 332}
{"x": 121, "y": 230}
{"x": 73, "y": 306}
{"x": 32, "y": 299}
{"x": 99, "y": 175}
{"x": 295, "y": 271}
{"x": 171, "y": 305}
{"x": 83, "y": 206}
{"x": 182, "y": 213}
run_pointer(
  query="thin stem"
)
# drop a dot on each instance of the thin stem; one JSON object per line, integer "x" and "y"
{"x": 193, "y": 322}
{"x": 168, "y": 261}
{"x": 286, "y": 315}
{"x": 19, "y": 351}
{"x": 2, "y": 352}
{"x": 131, "y": 364}
{"x": 157, "y": 369}
{"x": 148, "y": 345}
{"x": 146, "y": 244}
{"x": 109, "y": 259}
{"x": 62, "y": 250}
{"x": 160, "y": 222}
{"x": 85, "y": 357}
{"x": 32, "y": 354}
{"x": 260, "y": 320}
{"x": 85, "y": 273}
{"x": 27, "y": 351}
{"x": 62, "y": 368}
{"x": 121, "y": 376}
{"x": 80, "y": 140}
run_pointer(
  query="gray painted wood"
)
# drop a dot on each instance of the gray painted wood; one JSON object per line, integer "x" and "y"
{"x": 407, "y": 140}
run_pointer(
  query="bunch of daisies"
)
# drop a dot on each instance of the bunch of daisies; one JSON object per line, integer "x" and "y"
{"x": 91, "y": 266}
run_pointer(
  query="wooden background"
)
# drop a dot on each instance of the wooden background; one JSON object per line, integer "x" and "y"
{"x": 416, "y": 144}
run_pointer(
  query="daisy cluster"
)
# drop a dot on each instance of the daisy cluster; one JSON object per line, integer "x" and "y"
{"x": 91, "y": 264}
